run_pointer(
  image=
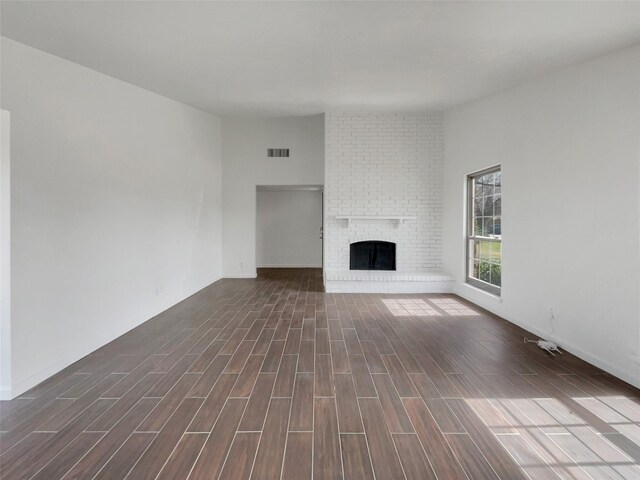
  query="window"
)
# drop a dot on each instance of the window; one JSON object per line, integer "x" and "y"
{"x": 484, "y": 230}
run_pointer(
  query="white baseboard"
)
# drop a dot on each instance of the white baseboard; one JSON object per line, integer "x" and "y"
{"x": 597, "y": 361}
{"x": 241, "y": 275}
{"x": 290, "y": 266}
{"x": 5, "y": 393}
{"x": 564, "y": 344}
{"x": 40, "y": 376}
{"x": 26, "y": 384}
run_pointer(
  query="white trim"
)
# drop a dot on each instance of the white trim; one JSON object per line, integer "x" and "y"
{"x": 394, "y": 218}
{"x": 480, "y": 291}
{"x": 5, "y": 393}
{"x": 564, "y": 344}
{"x": 597, "y": 361}
{"x": 240, "y": 275}
{"x": 50, "y": 370}
{"x": 289, "y": 188}
{"x": 5, "y": 257}
{"x": 41, "y": 375}
{"x": 290, "y": 266}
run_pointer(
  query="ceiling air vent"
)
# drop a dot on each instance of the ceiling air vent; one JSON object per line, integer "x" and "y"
{"x": 277, "y": 152}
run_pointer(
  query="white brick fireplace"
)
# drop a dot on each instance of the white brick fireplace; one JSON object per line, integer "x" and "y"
{"x": 383, "y": 181}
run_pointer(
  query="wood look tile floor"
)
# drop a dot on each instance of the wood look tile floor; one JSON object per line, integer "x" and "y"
{"x": 273, "y": 379}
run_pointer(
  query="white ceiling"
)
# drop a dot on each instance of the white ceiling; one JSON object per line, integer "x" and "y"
{"x": 282, "y": 58}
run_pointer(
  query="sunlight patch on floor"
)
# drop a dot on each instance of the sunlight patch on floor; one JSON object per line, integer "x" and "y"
{"x": 410, "y": 307}
{"x": 453, "y": 306}
{"x": 542, "y": 433}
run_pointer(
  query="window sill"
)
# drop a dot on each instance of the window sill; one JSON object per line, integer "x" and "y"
{"x": 474, "y": 284}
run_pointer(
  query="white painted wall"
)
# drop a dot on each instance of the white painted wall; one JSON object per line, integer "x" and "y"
{"x": 384, "y": 164}
{"x": 5, "y": 255}
{"x": 288, "y": 228}
{"x": 569, "y": 145}
{"x": 116, "y": 208}
{"x": 245, "y": 165}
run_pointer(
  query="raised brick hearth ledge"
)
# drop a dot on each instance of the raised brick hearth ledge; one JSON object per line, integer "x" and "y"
{"x": 376, "y": 281}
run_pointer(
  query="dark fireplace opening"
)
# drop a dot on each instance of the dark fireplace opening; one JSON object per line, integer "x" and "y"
{"x": 373, "y": 255}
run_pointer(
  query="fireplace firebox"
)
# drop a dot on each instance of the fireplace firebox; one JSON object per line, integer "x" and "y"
{"x": 373, "y": 255}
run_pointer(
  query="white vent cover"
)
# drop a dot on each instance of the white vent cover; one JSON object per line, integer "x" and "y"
{"x": 277, "y": 152}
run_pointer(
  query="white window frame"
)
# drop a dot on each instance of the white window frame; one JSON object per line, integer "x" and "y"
{"x": 470, "y": 235}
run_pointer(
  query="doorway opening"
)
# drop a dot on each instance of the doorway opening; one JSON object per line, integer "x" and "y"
{"x": 289, "y": 226}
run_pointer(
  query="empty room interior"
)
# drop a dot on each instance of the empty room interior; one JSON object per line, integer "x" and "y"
{"x": 264, "y": 240}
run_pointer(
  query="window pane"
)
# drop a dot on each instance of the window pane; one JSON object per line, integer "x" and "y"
{"x": 485, "y": 250}
{"x": 487, "y": 181}
{"x": 497, "y": 205}
{"x": 497, "y": 226}
{"x": 477, "y": 207}
{"x": 488, "y": 207}
{"x": 496, "y": 253}
{"x": 487, "y": 226}
{"x": 496, "y": 274}
{"x": 488, "y": 189}
{"x": 485, "y": 271}
{"x": 478, "y": 227}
